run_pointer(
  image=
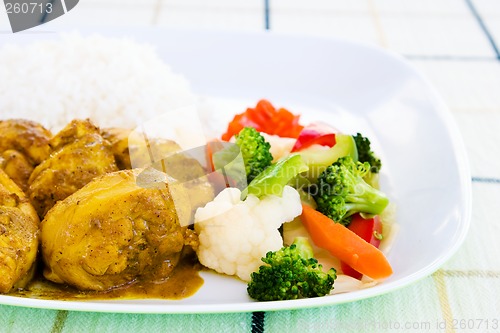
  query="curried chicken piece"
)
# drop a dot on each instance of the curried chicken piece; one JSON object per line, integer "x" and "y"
{"x": 19, "y": 228}
{"x": 169, "y": 158}
{"x": 142, "y": 155}
{"x": 78, "y": 155}
{"x": 188, "y": 172}
{"x": 27, "y": 137}
{"x": 113, "y": 232}
{"x": 17, "y": 167}
{"x": 118, "y": 137}
{"x": 23, "y": 145}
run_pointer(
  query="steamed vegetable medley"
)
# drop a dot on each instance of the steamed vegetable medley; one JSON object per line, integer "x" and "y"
{"x": 311, "y": 199}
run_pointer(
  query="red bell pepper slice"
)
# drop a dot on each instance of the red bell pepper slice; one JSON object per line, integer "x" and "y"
{"x": 315, "y": 134}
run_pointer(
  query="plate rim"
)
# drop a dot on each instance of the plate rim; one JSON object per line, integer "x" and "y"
{"x": 169, "y": 307}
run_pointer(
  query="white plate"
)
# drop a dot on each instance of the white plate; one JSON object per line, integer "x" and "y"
{"x": 354, "y": 87}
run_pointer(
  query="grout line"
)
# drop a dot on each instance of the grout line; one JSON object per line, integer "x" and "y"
{"x": 483, "y": 27}
{"x": 156, "y": 12}
{"x": 258, "y": 322}
{"x": 59, "y": 321}
{"x": 471, "y": 273}
{"x": 267, "y": 13}
{"x": 332, "y": 11}
{"x": 446, "y": 57}
{"x": 378, "y": 24}
{"x": 444, "y": 302}
{"x": 476, "y": 110}
{"x": 486, "y": 180}
{"x": 207, "y": 7}
{"x": 45, "y": 14}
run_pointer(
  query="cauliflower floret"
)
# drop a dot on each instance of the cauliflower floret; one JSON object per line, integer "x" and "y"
{"x": 234, "y": 235}
{"x": 280, "y": 147}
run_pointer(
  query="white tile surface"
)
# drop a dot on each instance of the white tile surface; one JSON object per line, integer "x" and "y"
{"x": 112, "y": 12}
{"x": 469, "y": 255}
{"x": 240, "y": 15}
{"x": 493, "y": 26}
{"x": 117, "y": 4}
{"x": 103, "y": 16}
{"x": 212, "y": 18}
{"x": 457, "y": 36}
{"x": 481, "y": 144}
{"x": 488, "y": 8}
{"x": 200, "y": 5}
{"x": 465, "y": 85}
{"x": 485, "y": 289}
{"x": 423, "y": 7}
{"x": 358, "y": 27}
{"x": 4, "y": 20}
{"x": 489, "y": 12}
{"x": 336, "y": 6}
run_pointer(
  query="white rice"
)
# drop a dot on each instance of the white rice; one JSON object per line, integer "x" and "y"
{"x": 115, "y": 82}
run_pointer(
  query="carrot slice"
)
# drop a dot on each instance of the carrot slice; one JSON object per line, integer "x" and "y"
{"x": 211, "y": 147}
{"x": 265, "y": 118}
{"x": 345, "y": 244}
{"x": 266, "y": 108}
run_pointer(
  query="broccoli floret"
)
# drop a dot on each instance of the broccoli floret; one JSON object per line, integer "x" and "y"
{"x": 255, "y": 151}
{"x": 291, "y": 273}
{"x": 342, "y": 192}
{"x": 365, "y": 154}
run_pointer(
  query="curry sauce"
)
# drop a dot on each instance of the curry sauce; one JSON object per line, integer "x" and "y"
{"x": 184, "y": 282}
